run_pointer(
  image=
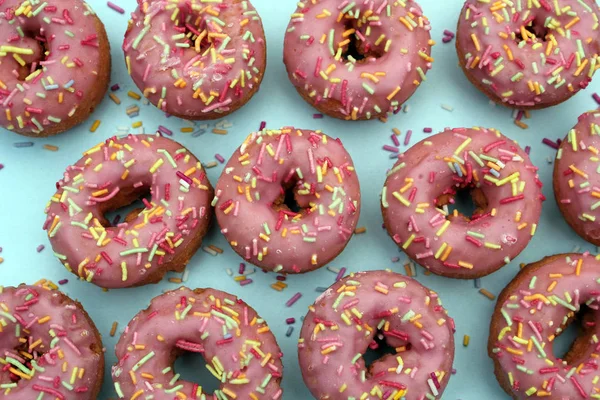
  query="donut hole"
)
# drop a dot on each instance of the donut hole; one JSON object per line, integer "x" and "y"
{"x": 377, "y": 350}
{"x": 29, "y": 63}
{"x": 192, "y": 367}
{"x": 466, "y": 203}
{"x": 126, "y": 208}
{"x": 26, "y": 355}
{"x": 536, "y": 28}
{"x": 573, "y": 339}
{"x": 357, "y": 50}
{"x": 193, "y": 27}
{"x": 288, "y": 199}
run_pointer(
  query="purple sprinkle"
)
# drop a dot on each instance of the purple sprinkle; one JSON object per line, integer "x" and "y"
{"x": 290, "y": 321}
{"x": 427, "y": 130}
{"x": 245, "y": 282}
{"x": 446, "y": 39}
{"x": 165, "y": 131}
{"x": 23, "y": 144}
{"x": 115, "y": 7}
{"x": 448, "y": 33}
{"x": 393, "y": 149}
{"x": 407, "y": 137}
{"x": 550, "y": 143}
{"x": 219, "y": 158}
{"x": 395, "y": 140}
{"x": 0, "y": 249}
{"x": 40, "y": 248}
{"x": 115, "y": 87}
{"x": 317, "y": 116}
{"x": 293, "y": 300}
{"x": 527, "y": 150}
{"x": 395, "y": 259}
{"x": 263, "y": 125}
{"x": 340, "y": 274}
{"x": 281, "y": 278}
{"x": 63, "y": 281}
{"x": 1, "y": 166}
{"x": 596, "y": 97}
{"x": 242, "y": 268}
{"x": 289, "y": 331}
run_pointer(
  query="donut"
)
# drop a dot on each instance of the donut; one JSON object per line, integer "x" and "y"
{"x": 360, "y": 308}
{"x": 531, "y": 312}
{"x": 273, "y": 168}
{"x": 576, "y": 185}
{"x": 357, "y": 60}
{"x": 49, "y": 346}
{"x": 236, "y": 343}
{"x": 529, "y": 54}
{"x": 161, "y": 237}
{"x": 54, "y": 65}
{"x": 196, "y": 59}
{"x": 425, "y": 182}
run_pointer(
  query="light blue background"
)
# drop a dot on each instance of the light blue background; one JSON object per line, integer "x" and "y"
{"x": 27, "y": 182}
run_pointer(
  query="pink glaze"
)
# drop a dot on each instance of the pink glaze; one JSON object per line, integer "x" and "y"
{"x": 70, "y": 69}
{"x": 343, "y": 323}
{"x": 61, "y": 340}
{"x": 452, "y": 245}
{"x": 394, "y": 35}
{"x": 124, "y": 255}
{"x": 232, "y": 338}
{"x": 576, "y": 180}
{"x": 319, "y": 171}
{"x": 531, "y": 312}
{"x": 529, "y": 73}
{"x": 208, "y": 73}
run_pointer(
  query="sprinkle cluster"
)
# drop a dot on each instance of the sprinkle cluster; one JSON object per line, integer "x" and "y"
{"x": 49, "y": 348}
{"x": 237, "y": 344}
{"x": 529, "y": 54}
{"x": 250, "y": 207}
{"x": 196, "y": 59}
{"x": 422, "y": 186}
{"x": 381, "y": 305}
{"x": 357, "y": 59}
{"x": 531, "y": 313}
{"x": 165, "y": 233}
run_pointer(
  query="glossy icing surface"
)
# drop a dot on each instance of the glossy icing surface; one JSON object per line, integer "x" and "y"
{"x": 426, "y": 179}
{"x": 576, "y": 178}
{"x": 344, "y": 322}
{"x": 360, "y": 59}
{"x": 253, "y": 216}
{"x": 533, "y": 54}
{"x": 531, "y": 312}
{"x": 43, "y": 85}
{"x": 196, "y": 59}
{"x": 236, "y": 343}
{"x": 121, "y": 170}
{"x": 49, "y": 348}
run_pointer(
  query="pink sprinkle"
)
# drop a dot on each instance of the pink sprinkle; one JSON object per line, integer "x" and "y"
{"x": 448, "y": 33}
{"x": 550, "y": 143}
{"x": 290, "y": 321}
{"x": 427, "y": 130}
{"x": 293, "y": 300}
{"x": 596, "y": 97}
{"x": 392, "y": 149}
{"x": 317, "y": 116}
{"x": 63, "y": 281}
{"x": 40, "y": 248}
{"x": 242, "y": 268}
{"x": 246, "y": 282}
{"x": 407, "y": 137}
{"x": 115, "y": 87}
{"x": 395, "y": 140}
{"x": 219, "y": 158}
{"x": 527, "y": 150}
{"x": 115, "y": 7}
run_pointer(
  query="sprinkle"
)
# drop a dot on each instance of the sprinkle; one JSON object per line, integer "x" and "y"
{"x": 487, "y": 294}
{"x": 115, "y": 7}
{"x": 293, "y": 299}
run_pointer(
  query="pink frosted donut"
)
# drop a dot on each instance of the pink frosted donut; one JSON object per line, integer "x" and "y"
{"x": 54, "y": 65}
{"x": 347, "y": 318}
{"x": 251, "y": 192}
{"x": 49, "y": 346}
{"x": 196, "y": 59}
{"x": 161, "y": 237}
{"x": 576, "y": 180}
{"x": 357, "y": 60}
{"x": 503, "y": 184}
{"x": 236, "y": 343}
{"x": 529, "y": 54}
{"x": 534, "y": 309}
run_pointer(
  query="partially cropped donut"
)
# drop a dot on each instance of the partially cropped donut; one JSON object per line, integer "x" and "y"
{"x": 161, "y": 237}
{"x": 422, "y": 187}
{"x": 351, "y": 315}
{"x": 529, "y": 54}
{"x": 49, "y": 346}
{"x": 357, "y": 60}
{"x": 576, "y": 180}
{"x": 236, "y": 343}
{"x": 272, "y": 169}
{"x": 54, "y": 65}
{"x": 196, "y": 59}
{"x": 532, "y": 311}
